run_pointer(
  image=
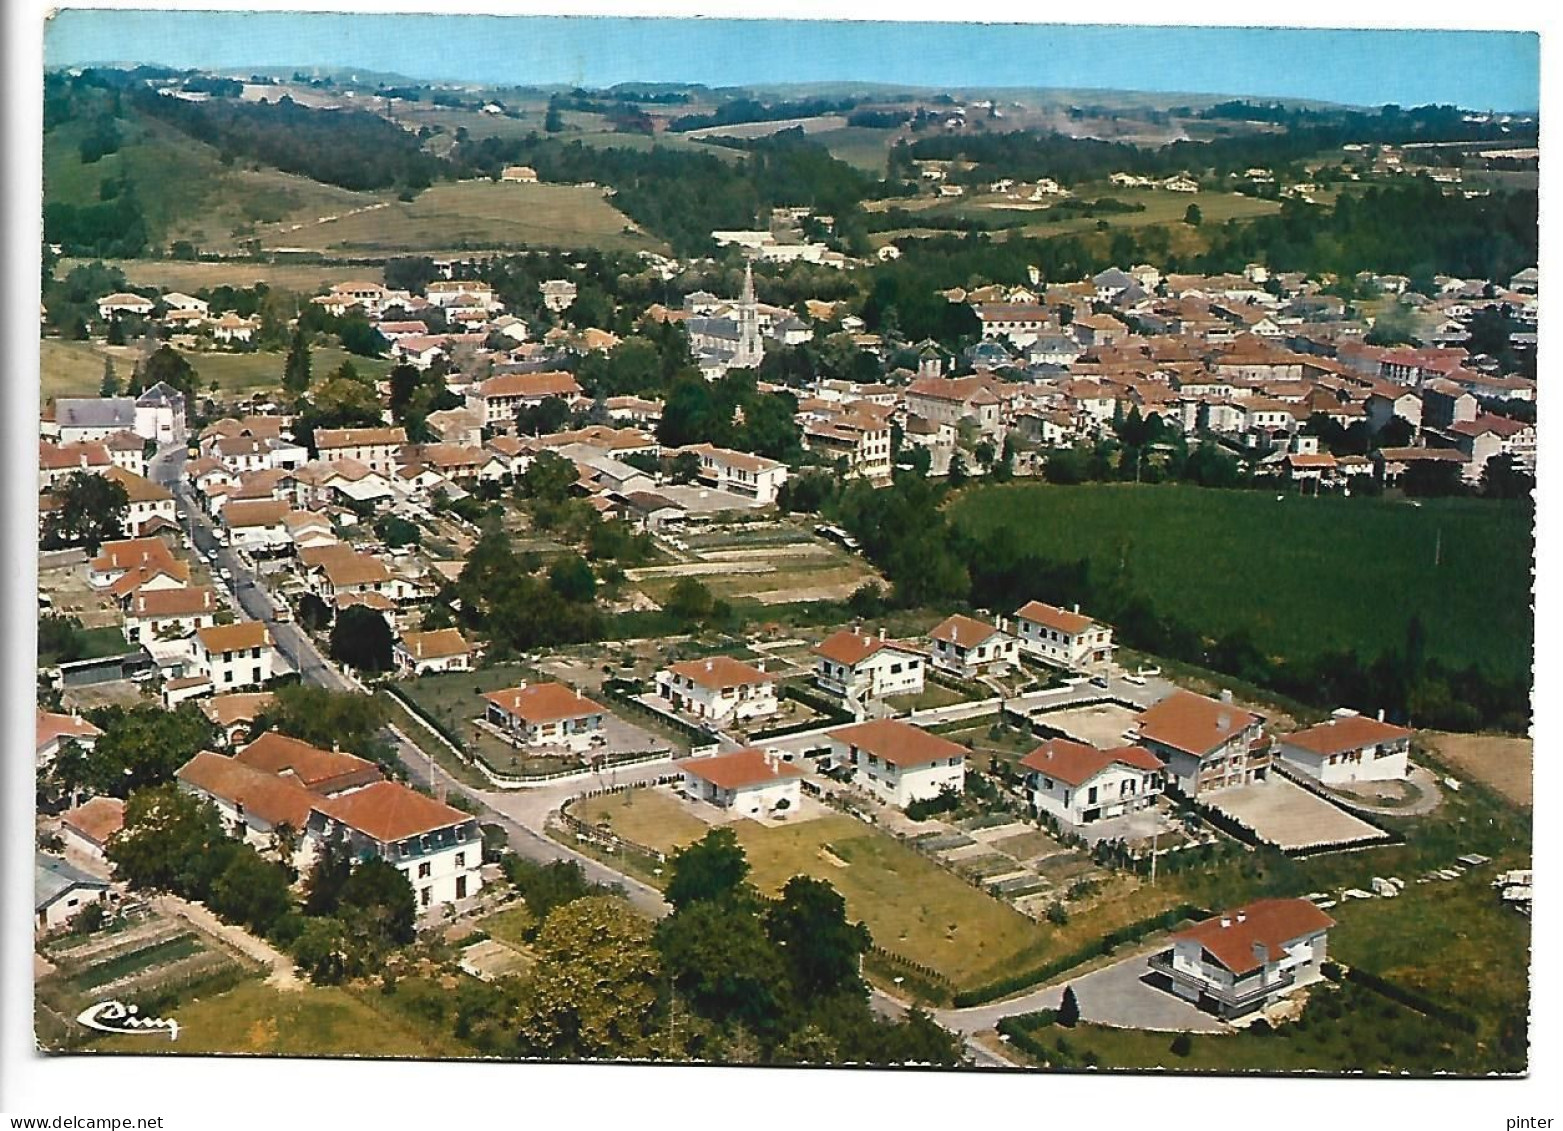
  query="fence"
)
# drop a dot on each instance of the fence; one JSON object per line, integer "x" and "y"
{"x": 924, "y": 980}
{"x": 616, "y": 691}
{"x": 604, "y": 837}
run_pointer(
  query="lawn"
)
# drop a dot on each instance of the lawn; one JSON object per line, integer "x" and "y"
{"x": 258, "y": 1020}
{"x": 652, "y": 817}
{"x": 1302, "y": 575}
{"x": 932, "y": 695}
{"x": 1500, "y": 761}
{"x": 469, "y": 216}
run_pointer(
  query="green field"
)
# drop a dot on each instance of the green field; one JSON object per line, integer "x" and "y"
{"x": 1303, "y": 575}
{"x": 467, "y": 216}
{"x": 75, "y": 369}
{"x": 191, "y": 276}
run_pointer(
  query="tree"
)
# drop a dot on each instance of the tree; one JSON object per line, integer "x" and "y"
{"x": 324, "y": 954}
{"x": 721, "y": 959}
{"x": 396, "y": 531}
{"x": 362, "y": 639}
{"x": 349, "y": 719}
{"x": 144, "y": 746}
{"x": 109, "y": 386}
{"x": 251, "y": 891}
{"x": 689, "y": 601}
{"x": 712, "y": 868}
{"x": 594, "y": 989}
{"x": 90, "y": 510}
{"x": 295, "y": 371}
{"x": 548, "y": 478}
{"x": 1069, "y": 1009}
{"x": 1192, "y": 216}
{"x": 553, "y": 120}
{"x": 169, "y": 367}
{"x": 168, "y": 842}
{"x": 572, "y": 579}
{"x": 378, "y": 899}
{"x": 824, "y": 950}
{"x": 323, "y": 886}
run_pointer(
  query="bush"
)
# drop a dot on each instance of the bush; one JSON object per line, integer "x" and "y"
{"x": 1182, "y": 1045}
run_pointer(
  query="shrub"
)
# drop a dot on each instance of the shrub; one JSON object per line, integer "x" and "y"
{"x": 1069, "y": 1009}
{"x": 1182, "y": 1045}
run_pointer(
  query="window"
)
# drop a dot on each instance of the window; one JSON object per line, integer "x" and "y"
{"x": 426, "y": 897}
{"x": 461, "y": 859}
{"x": 425, "y": 870}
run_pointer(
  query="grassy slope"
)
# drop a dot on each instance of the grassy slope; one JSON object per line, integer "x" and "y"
{"x": 181, "y": 275}
{"x": 1302, "y": 574}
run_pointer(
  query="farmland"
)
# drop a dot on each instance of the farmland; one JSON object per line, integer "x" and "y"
{"x": 191, "y": 276}
{"x": 1302, "y": 575}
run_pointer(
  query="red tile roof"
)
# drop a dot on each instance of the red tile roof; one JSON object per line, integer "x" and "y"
{"x": 52, "y": 727}
{"x": 964, "y": 631}
{"x": 1244, "y": 938}
{"x": 1350, "y": 732}
{"x": 898, "y": 743}
{"x": 317, "y": 770}
{"x": 1193, "y": 723}
{"x": 717, "y": 672}
{"x": 1050, "y": 616}
{"x": 436, "y": 645}
{"x": 543, "y": 702}
{"x": 233, "y": 637}
{"x": 388, "y": 811}
{"x": 1075, "y": 763}
{"x": 272, "y": 798}
{"x": 741, "y": 769}
{"x": 97, "y": 819}
{"x": 852, "y": 648}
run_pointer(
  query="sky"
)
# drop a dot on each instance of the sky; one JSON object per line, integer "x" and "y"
{"x": 1475, "y": 69}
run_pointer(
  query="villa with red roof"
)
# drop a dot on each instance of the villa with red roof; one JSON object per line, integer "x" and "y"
{"x": 1348, "y": 748}
{"x": 1206, "y": 743}
{"x": 1063, "y": 637}
{"x": 1241, "y": 960}
{"x": 438, "y": 848}
{"x": 864, "y": 666}
{"x": 546, "y": 714}
{"x": 966, "y": 646}
{"x": 751, "y": 782}
{"x": 54, "y": 730}
{"x": 442, "y": 650}
{"x": 899, "y": 763}
{"x": 718, "y": 689}
{"x": 1079, "y": 784}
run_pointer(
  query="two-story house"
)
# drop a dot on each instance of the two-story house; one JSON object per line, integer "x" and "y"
{"x": 752, "y": 476}
{"x": 165, "y": 614}
{"x": 496, "y": 400}
{"x": 1063, "y": 637}
{"x": 231, "y": 656}
{"x": 899, "y": 763}
{"x": 863, "y": 666}
{"x": 375, "y": 448}
{"x": 1079, "y": 784}
{"x": 1207, "y": 744}
{"x": 718, "y": 689}
{"x": 1241, "y": 960}
{"x": 439, "y": 849}
{"x": 968, "y": 647}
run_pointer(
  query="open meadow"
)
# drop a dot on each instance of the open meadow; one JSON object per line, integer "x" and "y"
{"x": 1302, "y": 575}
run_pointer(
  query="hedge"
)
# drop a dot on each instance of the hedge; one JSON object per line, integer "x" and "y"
{"x": 1412, "y": 1000}
{"x": 1130, "y": 932}
{"x": 440, "y": 728}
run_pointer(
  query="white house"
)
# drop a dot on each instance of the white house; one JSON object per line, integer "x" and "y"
{"x": 1207, "y": 744}
{"x": 232, "y": 656}
{"x": 87, "y": 828}
{"x": 54, "y": 730}
{"x": 967, "y": 647}
{"x": 258, "y": 526}
{"x": 755, "y": 783}
{"x": 1063, "y": 637}
{"x": 252, "y": 803}
{"x": 443, "y": 650}
{"x": 1241, "y": 960}
{"x": 899, "y": 763}
{"x": 546, "y": 714}
{"x": 496, "y": 400}
{"x": 1079, "y": 784}
{"x": 439, "y": 849}
{"x": 858, "y": 665}
{"x": 1350, "y": 747}
{"x": 718, "y": 689}
{"x": 61, "y": 891}
{"x": 741, "y": 473}
{"x": 166, "y": 614}
{"x": 375, "y": 448}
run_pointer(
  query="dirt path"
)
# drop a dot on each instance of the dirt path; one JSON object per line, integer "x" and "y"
{"x": 282, "y": 976}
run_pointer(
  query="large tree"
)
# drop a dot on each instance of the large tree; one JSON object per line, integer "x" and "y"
{"x": 824, "y": 949}
{"x": 362, "y": 639}
{"x": 721, "y": 959}
{"x": 295, "y": 371}
{"x": 144, "y": 746}
{"x": 378, "y": 900}
{"x": 594, "y": 990}
{"x": 91, "y": 510}
{"x": 712, "y": 868}
{"x": 171, "y": 841}
{"x": 251, "y": 891}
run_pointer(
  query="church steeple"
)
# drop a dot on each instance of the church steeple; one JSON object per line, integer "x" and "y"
{"x": 750, "y": 351}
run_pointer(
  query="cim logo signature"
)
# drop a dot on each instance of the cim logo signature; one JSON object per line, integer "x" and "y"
{"x": 117, "y": 1017}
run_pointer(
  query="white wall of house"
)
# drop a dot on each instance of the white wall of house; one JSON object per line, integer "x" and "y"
{"x": 407, "y": 664}
{"x": 901, "y": 785}
{"x": 751, "y": 801}
{"x": 67, "y": 905}
{"x": 1385, "y": 761}
{"x": 230, "y": 671}
{"x": 1090, "y": 648}
{"x": 886, "y": 672}
{"x": 578, "y": 734}
{"x": 1114, "y": 791}
{"x": 745, "y": 701}
{"x": 1000, "y": 648}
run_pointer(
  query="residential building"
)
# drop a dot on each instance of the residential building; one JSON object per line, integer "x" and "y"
{"x": 753, "y": 782}
{"x": 949, "y": 400}
{"x": 252, "y": 803}
{"x": 326, "y": 773}
{"x": 1241, "y": 960}
{"x": 168, "y": 614}
{"x": 258, "y": 526}
{"x": 147, "y": 500}
{"x": 234, "y": 713}
{"x": 86, "y": 829}
{"x": 58, "y": 462}
{"x": 968, "y": 647}
{"x": 1063, "y": 637}
{"x": 439, "y": 849}
{"x": 53, "y": 730}
{"x": 899, "y": 763}
{"x": 61, "y": 891}
{"x": 741, "y": 473}
{"x": 231, "y": 656}
{"x": 1079, "y": 784}
{"x": 84, "y": 420}
{"x": 375, "y": 448}
{"x": 546, "y": 714}
{"x": 718, "y": 689}
{"x": 1348, "y": 748}
{"x": 495, "y": 401}
{"x": 862, "y": 666}
{"x": 1207, "y": 744}
{"x": 442, "y": 650}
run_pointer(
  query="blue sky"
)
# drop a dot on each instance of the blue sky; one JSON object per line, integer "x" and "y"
{"x": 1475, "y": 69}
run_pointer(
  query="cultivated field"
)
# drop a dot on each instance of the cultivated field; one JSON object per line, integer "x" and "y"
{"x": 189, "y": 276}
{"x": 466, "y": 216}
{"x": 1503, "y": 762}
{"x": 1303, "y": 575}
